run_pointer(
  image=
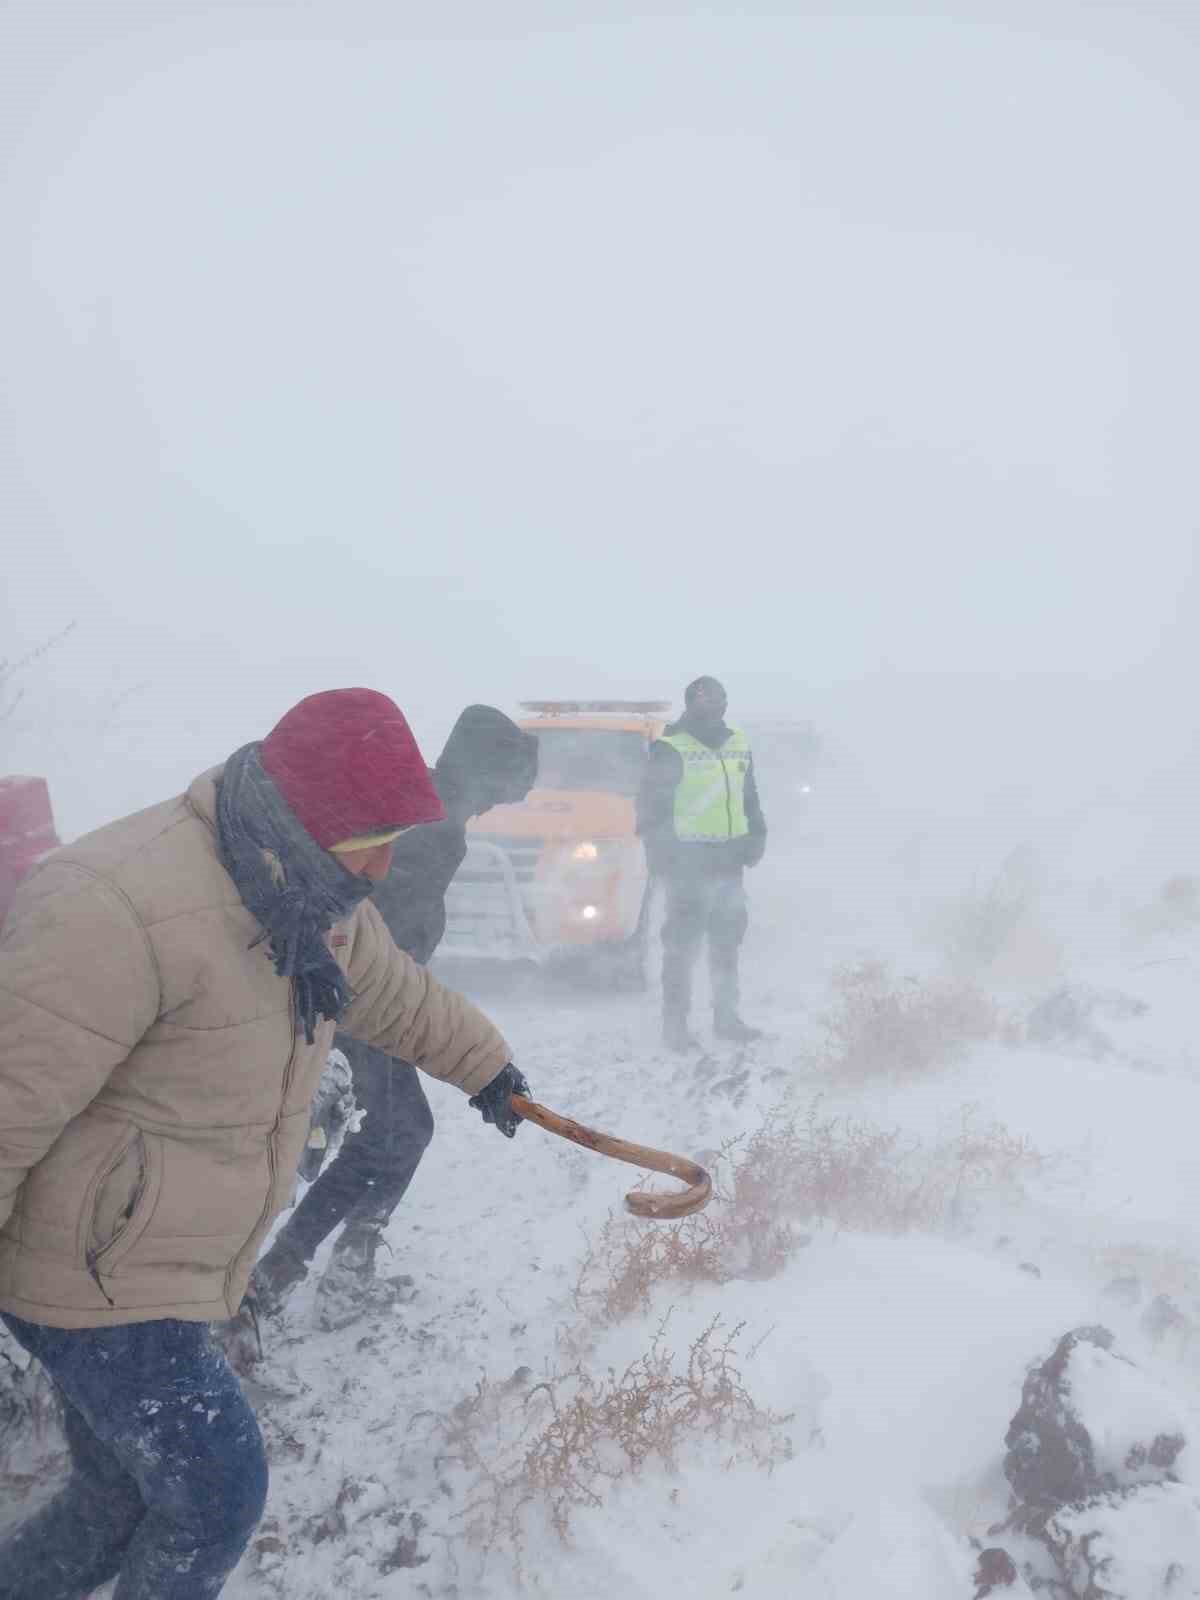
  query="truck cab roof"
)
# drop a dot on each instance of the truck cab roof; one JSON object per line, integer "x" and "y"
{"x": 647, "y": 717}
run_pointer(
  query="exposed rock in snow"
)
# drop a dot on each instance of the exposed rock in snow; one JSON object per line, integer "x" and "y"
{"x": 1089, "y": 1422}
{"x": 1124, "y": 1291}
{"x": 1162, "y": 1316}
{"x": 1133, "y": 1422}
{"x": 1071, "y": 1016}
{"x": 1134, "y": 1544}
{"x": 1091, "y": 1454}
{"x": 996, "y": 1573}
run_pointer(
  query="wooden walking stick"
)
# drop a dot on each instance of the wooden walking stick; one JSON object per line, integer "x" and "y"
{"x": 657, "y": 1206}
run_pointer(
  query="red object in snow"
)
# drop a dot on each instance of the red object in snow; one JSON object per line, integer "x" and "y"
{"x": 26, "y": 831}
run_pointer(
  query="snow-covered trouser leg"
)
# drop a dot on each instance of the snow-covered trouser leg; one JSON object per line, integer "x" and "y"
{"x": 75, "y": 1542}
{"x": 374, "y": 1167}
{"x": 728, "y": 920}
{"x": 168, "y": 1422}
{"x": 684, "y": 923}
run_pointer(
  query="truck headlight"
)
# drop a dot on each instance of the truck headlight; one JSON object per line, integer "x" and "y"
{"x": 586, "y": 851}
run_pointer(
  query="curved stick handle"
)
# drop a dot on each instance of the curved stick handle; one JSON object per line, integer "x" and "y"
{"x": 680, "y": 1204}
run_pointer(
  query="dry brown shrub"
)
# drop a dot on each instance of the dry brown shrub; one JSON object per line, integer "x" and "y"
{"x": 985, "y": 1157}
{"x": 976, "y": 929}
{"x": 559, "y": 1446}
{"x": 1175, "y": 909}
{"x": 1159, "y": 1269}
{"x": 815, "y": 1168}
{"x": 627, "y": 1260}
{"x": 900, "y": 1028}
{"x": 797, "y": 1170}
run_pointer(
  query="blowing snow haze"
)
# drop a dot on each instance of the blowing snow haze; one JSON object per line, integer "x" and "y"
{"x": 480, "y": 353}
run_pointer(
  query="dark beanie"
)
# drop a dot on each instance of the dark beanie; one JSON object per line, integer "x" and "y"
{"x": 699, "y": 685}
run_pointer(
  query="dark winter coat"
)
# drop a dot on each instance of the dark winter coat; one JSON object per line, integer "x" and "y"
{"x": 487, "y": 761}
{"x": 666, "y": 854}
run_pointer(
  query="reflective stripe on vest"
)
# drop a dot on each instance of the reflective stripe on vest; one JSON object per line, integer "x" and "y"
{"x": 710, "y": 801}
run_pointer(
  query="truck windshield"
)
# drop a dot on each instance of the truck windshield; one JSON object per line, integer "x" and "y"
{"x": 590, "y": 758}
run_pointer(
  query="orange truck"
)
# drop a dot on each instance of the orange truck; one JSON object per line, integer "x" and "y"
{"x": 562, "y": 876}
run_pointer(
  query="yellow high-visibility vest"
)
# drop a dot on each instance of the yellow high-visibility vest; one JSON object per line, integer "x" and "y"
{"x": 710, "y": 801}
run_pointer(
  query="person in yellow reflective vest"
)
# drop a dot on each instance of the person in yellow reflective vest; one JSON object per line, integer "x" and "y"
{"x": 700, "y": 819}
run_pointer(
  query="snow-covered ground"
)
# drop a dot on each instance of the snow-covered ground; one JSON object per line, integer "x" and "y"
{"x": 1043, "y": 1148}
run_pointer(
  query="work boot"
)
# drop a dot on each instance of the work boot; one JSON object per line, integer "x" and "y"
{"x": 349, "y": 1287}
{"x": 731, "y": 1027}
{"x": 677, "y": 1036}
{"x": 275, "y": 1277}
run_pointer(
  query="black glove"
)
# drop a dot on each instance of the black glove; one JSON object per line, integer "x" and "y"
{"x": 494, "y": 1104}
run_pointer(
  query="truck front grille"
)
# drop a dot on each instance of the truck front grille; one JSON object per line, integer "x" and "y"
{"x": 480, "y": 865}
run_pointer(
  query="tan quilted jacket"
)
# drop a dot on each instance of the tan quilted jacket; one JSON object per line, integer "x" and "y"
{"x": 154, "y": 1085}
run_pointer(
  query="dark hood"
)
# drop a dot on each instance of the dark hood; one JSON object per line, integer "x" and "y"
{"x": 487, "y": 761}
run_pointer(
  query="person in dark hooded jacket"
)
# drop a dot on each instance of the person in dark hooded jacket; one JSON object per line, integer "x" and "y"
{"x": 487, "y": 761}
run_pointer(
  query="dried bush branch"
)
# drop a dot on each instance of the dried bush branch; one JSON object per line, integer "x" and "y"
{"x": 9, "y": 700}
{"x": 579, "y": 1435}
{"x": 798, "y": 1170}
{"x": 884, "y": 1028}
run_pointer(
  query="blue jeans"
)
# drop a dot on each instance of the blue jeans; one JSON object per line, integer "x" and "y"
{"x": 168, "y": 1472}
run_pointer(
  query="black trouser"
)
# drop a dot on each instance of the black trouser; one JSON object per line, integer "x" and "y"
{"x": 700, "y": 905}
{"x": 366, "y": 1180}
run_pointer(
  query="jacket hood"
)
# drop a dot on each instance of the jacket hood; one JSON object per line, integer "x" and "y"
{"x": 346, "y": 764}
{"x": 487, "y": 760}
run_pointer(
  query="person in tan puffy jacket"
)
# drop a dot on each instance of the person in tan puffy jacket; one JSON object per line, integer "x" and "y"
{"x": 169, "y": 987}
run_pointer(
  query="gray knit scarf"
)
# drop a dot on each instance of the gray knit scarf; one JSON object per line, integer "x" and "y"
{"x": 296, "y": 901}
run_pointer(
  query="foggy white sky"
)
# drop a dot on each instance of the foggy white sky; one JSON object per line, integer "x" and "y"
{"x": 479, "y": 351}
